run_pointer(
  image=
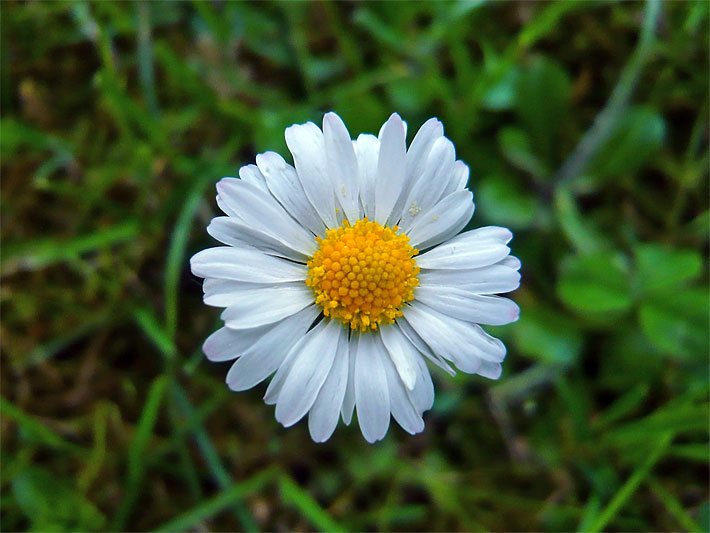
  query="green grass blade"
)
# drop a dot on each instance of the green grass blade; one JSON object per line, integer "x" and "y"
{"x": 591, "y": 510}
{"x": 187, "y": 424}
{"x": 292, "y": 494}
{"x": 51, "y": 348}
{"x": 148, "y": 322}
{"x": 691, "y": 452}
{"x": 176, "y": 254}
{"x": 623, "y": 406}
{"x": 222, "y": 501}
{"x": 210, "y": 456}
{"x": 673, "y": 506}
{"x": 204, "y": 443}
{"x": 186, "y": 465}
{"x": 38, "y": 254}
{"x": 35, "y": 429}
{"x": 606, "y": 120}
{"x": 145, "y": 56}
{"x": 137, "y": 450}
{"x": 628, "y": 488}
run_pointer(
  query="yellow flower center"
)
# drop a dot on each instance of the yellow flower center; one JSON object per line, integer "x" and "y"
{"x": 363, "y": 274}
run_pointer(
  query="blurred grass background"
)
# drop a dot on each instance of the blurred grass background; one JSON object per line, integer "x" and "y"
{"x": 586, "y": 128}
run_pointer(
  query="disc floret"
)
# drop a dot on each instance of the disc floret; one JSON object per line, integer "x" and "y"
{"x": 363, "y": 274}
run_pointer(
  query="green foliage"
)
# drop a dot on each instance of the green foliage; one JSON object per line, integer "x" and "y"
{"x": 52, "y": 505}
{"x": 542, "y": 103}
{"x": 503, "y": 202}
{"x": 637, "y": 137}
{"x": 595, "y": 283}
{"x": 662, "y": 268}
{"x": 585, "y": 128}
{"x": 547, "y": 335}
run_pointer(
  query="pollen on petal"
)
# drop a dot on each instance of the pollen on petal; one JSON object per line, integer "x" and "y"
{"x": 363, "y": 274}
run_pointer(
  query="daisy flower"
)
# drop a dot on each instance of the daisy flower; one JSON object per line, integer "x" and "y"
{"x": 344, "y": 273}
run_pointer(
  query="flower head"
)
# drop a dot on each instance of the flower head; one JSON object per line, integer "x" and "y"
{"x": 344, "y": 273}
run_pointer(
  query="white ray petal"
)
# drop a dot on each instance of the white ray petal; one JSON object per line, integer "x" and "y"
{"x": 260, "y": 210}
{"x": 282, "y": 180}
{"x": 266, "y": 354}
{"x": 245, "y": 264}
{"x": 390, "y": 168}
{"x": 257, "y": 307}
{"x": 251, "y": 174}
{"x": 430, "y": 188}
{"x": 403, "y": 410}
{"x": 422, "y": 346}
{"x": 401, "y": 352}
{"x": 226, "y": 344}
{"x": 308, "y": 373}
{"x": 367, "y": 150}
{"x": 372, "y": 399}
{"x": 416, "y": 159}
{"x": 464, "y": 305}
{"x": 422, "y": 395}
{"x": 305, "y": 141}
{"x": 234, "y": 232}
{"x": 462, "y": 343}
{"x": 471, "y": 249}
{"x": 444, "y": 220}
{"x": 492, "y": 279}
{"x": 323, "y": 416}
{"x": 459, "y": 178}
{"x": 342, "y": 165}
{"x": 346, "y": 410}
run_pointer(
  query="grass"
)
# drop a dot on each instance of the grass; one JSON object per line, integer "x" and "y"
{"x": 586, "y": 128}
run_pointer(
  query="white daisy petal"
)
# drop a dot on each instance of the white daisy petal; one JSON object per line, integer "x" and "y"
{"x": 401, "y": 406}
{"x": 443, "y": 221}
{"x": 305, "y": 141}
{"x": 257, "y": 307}
{"x": 277, "y": 382}
{"x": 251, "y": 174}
{"x": 422, "y": 395}
{"x": 367, "y": 150}
{"x": 245, "y": 264}
{"x": 226, "y": 344}
{"x": 493, "y": 279}
{"x": 422, "y": 347}
{"x": 486, "y": 233}
{"x": 323, "y": 417}
{"x": 462, "y": 343}
{"x": 419, "y": 150}
{"x": 282, "y": 180}
{"x": 268, "y": 350}
{"x": 402, "y": 353}
{"x": 372, "y": 399}
{"x": 225, "y": 207}
{"x": 490, "y": 370}
{"x": 273, "y": 391}
{"x": 416, "y": 159}
{"x": 511, "y": 262}
{"x": 427, "y": 191}
{"x": 472, "y": 249}
{"x": 261, "y": 210}
{"x": 224, "y": 292}
{"x": 231, "y": 231}
{"x": 461, "y": 304}
{"x": 459, "y": 179}
{"x": 342, "y": 165}
{"x": 308, "y": 373}
{"x": 346, "y": 410}
{"x": 390, "y": 167}
{"x": 382, "y": 128}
